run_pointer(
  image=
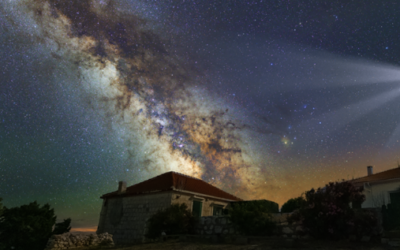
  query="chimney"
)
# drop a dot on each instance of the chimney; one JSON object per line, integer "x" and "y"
{"x": 369, "y": 170}
{"x": 121, "y": 187}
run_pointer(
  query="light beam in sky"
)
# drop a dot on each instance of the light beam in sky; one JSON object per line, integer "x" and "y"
{"x": 331, "y": 71}
{"x": 337, "y": 119}
{"x": 317, "y": 70}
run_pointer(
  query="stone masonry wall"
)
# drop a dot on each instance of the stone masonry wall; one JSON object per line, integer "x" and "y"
{"x": 215, "y": 225}
{"x": 126, "y": 217}
{"x": 71, "y": 240}
{"x": 284, "y": 229}
{"x": 221, "y": 226}
{"x": 295, "y": 231}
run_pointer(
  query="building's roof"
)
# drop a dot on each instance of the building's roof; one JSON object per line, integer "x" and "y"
{"x": 378, "y": 177}
{"x": 174, "y": 181}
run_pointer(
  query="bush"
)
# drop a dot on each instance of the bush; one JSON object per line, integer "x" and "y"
{"x": 266, "y": 205}
{"x": 327, "y": 214}
{"x": 390, "y": 217}
{"x": 26, "y": 227}
{"x": 1, "y": 207}
{"x": 365, "y": 223}
{"x": 252, "y": 217}
{"x": 62, "y": 227}
{"x": 293, "y": 204}
{"x": 176, "y": 219}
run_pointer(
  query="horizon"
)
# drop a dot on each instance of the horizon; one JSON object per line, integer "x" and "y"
{"x": 93, "y": 229}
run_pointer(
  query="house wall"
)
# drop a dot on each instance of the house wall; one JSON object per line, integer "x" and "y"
{"x": 378, "y": 194}
{"x": 208, "y": 203}
{"x": 125, "y": 218}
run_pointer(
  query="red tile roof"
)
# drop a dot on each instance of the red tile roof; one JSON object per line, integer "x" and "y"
{"x": 173, "y": 180}
{"x": 382, "y": 176}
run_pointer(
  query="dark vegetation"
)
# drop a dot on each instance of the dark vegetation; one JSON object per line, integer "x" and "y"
{"x": 326, "y": 213}
{"x": 268, "y": 206}
{"x": 391, "y": 217}
{"x": 293, "y": 204}
{"x": 62, "y": 227}
{"x": 176, "y": 219}
{"x": 253, "y": 217}
{"x": 1, "y": 207}
{"x": 28, "y": 226}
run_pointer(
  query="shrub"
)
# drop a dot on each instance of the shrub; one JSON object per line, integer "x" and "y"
{"x": 327, "y": 213}
{"x": 26, "y": 227}
{"x": 365, "y": 223}
{"x": 252, "y": 217}
{"x": 266, "y": 205}
{"x": 62, "y": 227}
{"x": 293, "y": 204}
{"x": 176, "y": 219}
{"x": 1, "y": 207}
{"x": 391, "y": 217}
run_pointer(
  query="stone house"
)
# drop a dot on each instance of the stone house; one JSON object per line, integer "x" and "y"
{"x": 124, "y": 212}
{"x": 380, "y": 188}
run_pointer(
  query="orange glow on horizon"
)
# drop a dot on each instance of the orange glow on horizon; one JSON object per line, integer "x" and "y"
{"x": 84, "y": 229}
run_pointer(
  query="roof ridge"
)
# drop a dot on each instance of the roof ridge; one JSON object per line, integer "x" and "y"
{"x": 204, "y": 182}
{"x": 386, "y": 171}
{"x": 184, "y": 175}
{"x": 376, "y": 173}
{"x": 174, "y": 180}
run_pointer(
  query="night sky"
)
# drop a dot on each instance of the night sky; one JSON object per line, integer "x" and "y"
{"x": 264, "y": 99}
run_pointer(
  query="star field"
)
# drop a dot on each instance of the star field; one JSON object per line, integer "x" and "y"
{"x": 264, "y": 99}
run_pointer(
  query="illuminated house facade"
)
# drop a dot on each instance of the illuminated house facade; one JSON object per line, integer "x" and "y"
{"x": 125, "y": 212}
{"x": 381, "y": 188}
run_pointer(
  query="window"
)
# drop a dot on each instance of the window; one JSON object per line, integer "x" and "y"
{"x": 197, "y": 208}
{"x": 218, "y": 210}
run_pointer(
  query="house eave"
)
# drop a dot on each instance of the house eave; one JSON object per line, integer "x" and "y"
{"x": 361, "y": 183}
{"x": 116, "y": 195}
{"x": 204, "y": 195}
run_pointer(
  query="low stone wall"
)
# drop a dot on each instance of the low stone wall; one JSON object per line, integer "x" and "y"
{"x": 221, "y": 226}
{"x": 215, "y": 225}
{"x": 291, "y": 231}
{"x": 70, "y": 240}
{"x": 220, "y": 229}
{"x": 295, "y": 231}
{"x": 280, "y": 217}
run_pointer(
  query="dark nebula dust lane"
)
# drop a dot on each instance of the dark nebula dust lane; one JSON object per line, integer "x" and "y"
{"x": 264, "y": 99}
{"x": 155, "y": 96}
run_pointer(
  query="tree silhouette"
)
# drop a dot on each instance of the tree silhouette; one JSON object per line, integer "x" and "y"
{"x": 1, "y": 207}
{"x": 26, "y": 227}
{"x": 293, "y": 204}
{"x": 62, "y": 227}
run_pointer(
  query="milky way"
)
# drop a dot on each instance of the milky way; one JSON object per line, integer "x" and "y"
{"x": 152, "y": 94}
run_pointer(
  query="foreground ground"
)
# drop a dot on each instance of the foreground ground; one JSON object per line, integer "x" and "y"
{"x": 273, "y": 245}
